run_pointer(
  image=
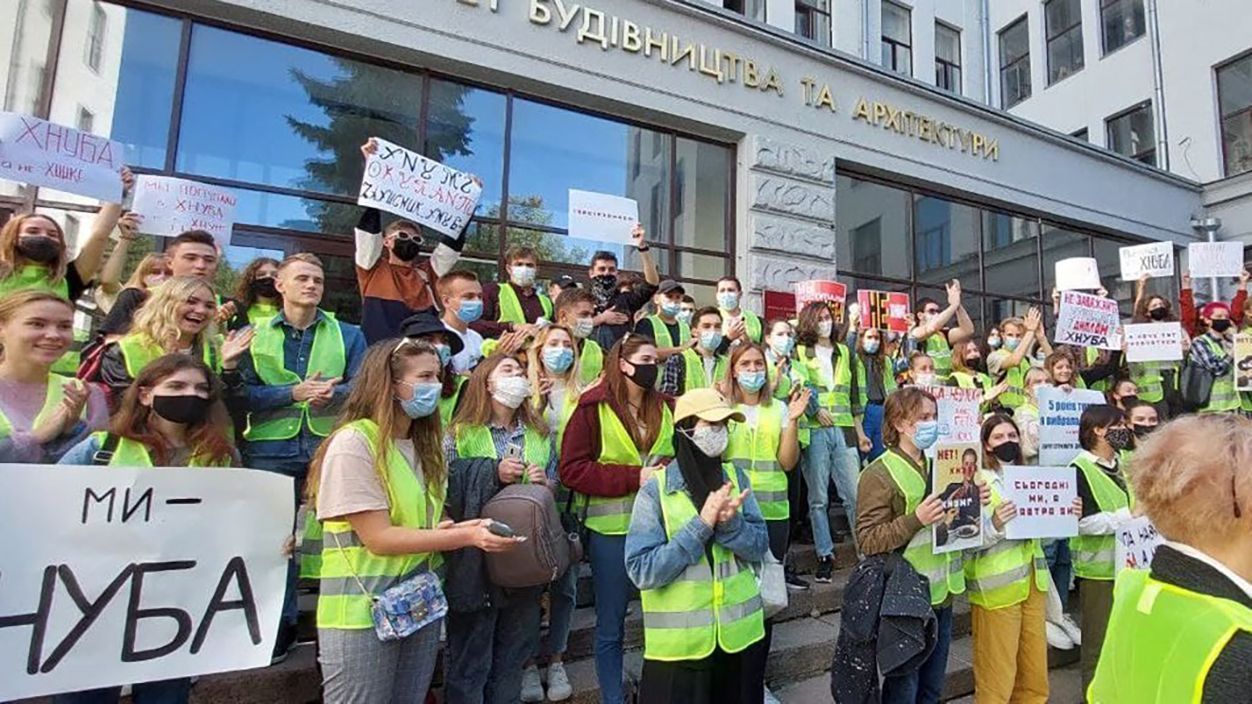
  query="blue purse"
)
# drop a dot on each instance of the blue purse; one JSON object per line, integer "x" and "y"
{"x": 406, "y": 608}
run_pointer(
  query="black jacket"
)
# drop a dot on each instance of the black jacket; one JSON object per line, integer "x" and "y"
{"x": 887, "y": 625}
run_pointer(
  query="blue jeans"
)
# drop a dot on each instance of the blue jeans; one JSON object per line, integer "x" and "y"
{"x": 613, "y": 592}
{"x": 487, "y": 649}
{"x": 297, "y": 469}
{"x": 562, "y": 600}
{"x": 1061, "y": 566}
{"x": 872, "y": 424}
{"x": 924, "y": 685}
{"x": 830, "y": 457}
{"x": 176, "y": 691}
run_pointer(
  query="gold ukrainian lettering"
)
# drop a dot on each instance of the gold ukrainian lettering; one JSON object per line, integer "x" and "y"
{"x": 630, "y": 37}
{"x": 732, "y": 66}
{"x": 540, "y": 13}
{"x": 772, "y": 82}
{"x": 564, "y": 18}
{"x": 751, "y": 76}
{"x": 861, "y": 110}
{"x": 714, "y": 71}
{"x": 688, "y": 53}
{"x": 651, "y": 41}
{"x": 584, "y": 31}
{"x": 825, "y": 99}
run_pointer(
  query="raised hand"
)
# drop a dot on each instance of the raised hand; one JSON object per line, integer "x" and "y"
{"x": 734, "y": 501}
{"x": 128, "y": 180}
{"x": 714, "y": 504}
{"x": 225, "y": 312}
{"x": 954, "y": 292}
{"x": 128, "y": 224}
{"x": 800, "y": 396}
{"x": 1004, "y": 513}
{"x": 370, "y": 148}
{"x": 637, "y": 236}
{"x": 1034, "y": 318}
{"x": 66, "y": 414}
{"x": 237, "y": 342}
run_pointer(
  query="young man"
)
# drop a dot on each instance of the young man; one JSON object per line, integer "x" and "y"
{"x": 698, "y": 366}
{"x": 193, "y": 253}
{"x": 576, "y": 310}
{"x": 739, "y": 322}
{"x": 688, "y": 313}
{"x": 671, "y": 335}
{"x": 461, "y": 296}
{"x": 298, "y": 372}
{"x": 516, "y": 304}
{"x": 615, "y": 310}
{"x": 930, "y": 335}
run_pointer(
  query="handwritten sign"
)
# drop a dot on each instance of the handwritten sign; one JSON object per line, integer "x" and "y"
{"x": 958, "y": 415}
{"x": 883, "y": 310}
{"x": 44, "y": 153}
{"x": 423, "y": 190}
{"x": 170, "y": 206}
{"x": 1153, "y": 342}
{"x": 1137, "y": 542}
{"x": 600, "y": 216}
{"x": 1059, "y": 413}
{"x": 831, "y": 292}
{"x": 1088, "y": 321}
{"x": 1243, "y": 361}
{"x": 1044, "y": 497}
{"x": 1221, "y": 259}
{"x": 132, "y": 575}
{"x": 954, "y": 469}
{"x": 1077, "y": 273}
{"x": 1155, "y": 259}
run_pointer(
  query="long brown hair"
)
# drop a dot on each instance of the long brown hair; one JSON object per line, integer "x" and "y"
{"x": 243, "y": 289}
{"x": 650, "y": 409}
{"x": 1140, "y": 314}
{"x": 989, "y": 459}
{"x": 208, "y": 440}
{"x": 729, "y": 386}
{"x": 806, "y": 327}
{"x": 475, "y": 408}
{"x": 374, "y": 398}
{"x": 9, "y": 257}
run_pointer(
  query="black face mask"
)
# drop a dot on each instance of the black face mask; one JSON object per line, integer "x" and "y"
{"x": 1158, "y": 313}
{"x": 1220, "y": 325}
{"x": 187, "y": 410}
{"x": 644, "y": 376}
{"x": 1128, "y": 401}
{"x": 1008, "y": 453}
{"x": 1143, "y": 431}
{"x": 263, "y": 288}
{"x": 406, "y": 250}
{"x": 39, "y": 249}
{"x": 976, "y": 364}
{"x": 605, "y": 281}
{"x": 1119, "y": 438}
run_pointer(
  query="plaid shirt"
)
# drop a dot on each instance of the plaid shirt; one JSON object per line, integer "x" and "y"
{"x": 1202, "y": 354}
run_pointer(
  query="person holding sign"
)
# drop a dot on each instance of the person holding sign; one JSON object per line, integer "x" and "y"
{"x": 878, "y": 371}
{"x": 615, "y": 304}
{"x": 741, "y": 323}
{"x": 1012, "y": 360}
{"x": 1193, "y": 321}
{"x": 701, "y": 366}
{"x": 930, "y": 334}
{"x": 1182, "y": 632}
{"x": 1213, "y": 351}
{"x": 514, "y": 305}
{"x": 1155, "y": 378}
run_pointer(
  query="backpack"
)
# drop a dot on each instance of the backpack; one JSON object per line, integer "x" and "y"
{"x": 1195, "y": 386}
{"x": 548, "y": 551}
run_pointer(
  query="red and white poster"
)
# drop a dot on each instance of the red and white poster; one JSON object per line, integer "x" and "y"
{"x": 832, "y": 292}
{"x": 883, "y": 310}
{"x": 780, "y": 304}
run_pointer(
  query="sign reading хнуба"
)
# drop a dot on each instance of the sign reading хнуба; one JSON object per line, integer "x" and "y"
{"x": 608, "y": 30}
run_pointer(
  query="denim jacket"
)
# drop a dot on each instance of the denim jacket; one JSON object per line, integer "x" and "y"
{"x": 653, "y": 560}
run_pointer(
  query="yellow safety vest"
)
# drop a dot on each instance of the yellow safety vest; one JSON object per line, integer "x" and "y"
{"x": 751, "y": 323}
{"x": 937, "y": 348}
{"x": 590, "y": 361}
{"x": 945, "y": 571}
{"x": 660, "y": 333}
{"x": 834, "y": 395}
{"x": 327, "y": 356}
{"x": 1015, "y": 395}
{"x": 511, "y": 306}
{"x": 52, "y": 399}
{"x": 138, "y": 352}
{"x": 1223, "y": 397}
{"x": 1094, "y": 554}
{"x": 260, "y": 312}
{"x": 694, "y": 376}
{"x": 610, "y": 515}
{"x": 475, "y": 442}
{"x": 754, "y": 449}
{"x": 447, "y": 404}
{"x": 130, "y": 453}
{"x": 999, "y": 576}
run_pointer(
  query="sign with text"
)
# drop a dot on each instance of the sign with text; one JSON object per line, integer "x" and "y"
{"x": 1220, "y": 259}
{"x": 831, "y": 292}
{"x": 1059, "y": 413}
{"x": 1077, "y": 273}
{"x": 1243, "y": 361}
{"x": 170, "y": 206}
{"x": 1088, "y": 321}
{"x": 133, "y": 575}
{"x": 958, "y": 415}
{"x": 1154, "y": 342}
{"x": 1137, "y": 541}
{"x": 600, "y": 216}
{"x": 883, "y": 310}
{"x": 1155, "y": 259}
{"x": 779, "y": 304}
{"x": 44, "y": 153}
{"x": 954, "y": 469}
{"x": 1044, "y": 497}
{"x": 408, "y": 184}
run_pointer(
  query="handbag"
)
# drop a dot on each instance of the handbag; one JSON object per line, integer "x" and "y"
{"x": 772, "y": 582}
{"x": 406, "y": 608}
{"x": 1195, "y": 386}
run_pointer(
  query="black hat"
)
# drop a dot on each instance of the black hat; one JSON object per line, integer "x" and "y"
{"x": 566, "y": 282}
{"x": 669, "y": 286}
{"x": 426, "y": 323}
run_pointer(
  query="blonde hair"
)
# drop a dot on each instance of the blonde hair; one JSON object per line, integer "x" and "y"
{"x": 535, "y": 366}
{"x": 9, "y": 236}
{"x": 13, "y": 302}
{"x": 157, "y": 319}
{"x": 148, "y": 266}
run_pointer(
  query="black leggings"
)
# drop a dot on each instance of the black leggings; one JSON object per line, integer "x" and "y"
{"x": 721, "y": 678}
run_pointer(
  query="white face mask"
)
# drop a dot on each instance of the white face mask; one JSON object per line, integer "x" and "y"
{"x": 711, "y": 439}
{"x": 924, "y": 379}
{"x": 522, "y": 275}
{"x": 582, "y": 328}
{"x": 825, "y": 327}
{"x": 511, "y": 391}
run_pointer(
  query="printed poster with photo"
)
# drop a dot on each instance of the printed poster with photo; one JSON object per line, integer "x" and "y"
{"x": 953, "y": 473}
{"x": 1243, "y": 361}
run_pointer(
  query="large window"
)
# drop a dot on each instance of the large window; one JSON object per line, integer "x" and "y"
{"x": 1121, "y": 22}
{"x": 813, "y": 20}
{"x": 93, "y": 49}
{"x": 947, "y": 57}
{"x": 754, "y": 9}
{"x": 1130, "y": 133}
{"x": 1014, "y": 63}
{"x": 1063, "y": 22}
{"x": 897, "y": 38}
{"x": 1234, "y": 98}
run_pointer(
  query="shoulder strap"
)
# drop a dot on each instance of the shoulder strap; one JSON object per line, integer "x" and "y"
{"x": 104, "y": 455}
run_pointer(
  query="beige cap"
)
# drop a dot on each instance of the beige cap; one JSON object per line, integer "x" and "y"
{"x": 705, "y": 404}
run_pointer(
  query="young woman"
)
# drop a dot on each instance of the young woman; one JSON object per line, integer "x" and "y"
{"x": 619, "y": 434}
{"x": 1102, "y": 432}
{"x": 1065, "y": 373}
{"x": 779, "y": 344}
{"x": 968, "y": 368}
{"x": 41, "y": 414}
{"x": 255, "y": 296}
{"x": 1155, "y": 379}
{"x": 428, "y": 328}
{"x": 148, "y": 274}
{"x": 1143, "y": 418}
{"x": 378, "y": 486}
{"x": 878, "y": 372}
{"x": 1012, "y": 360}
{"x": 1026, "y": 416}
{"x": 1122, "y": 394}
{"x": 922, "y": 370}
{"x": 694, "y": 533}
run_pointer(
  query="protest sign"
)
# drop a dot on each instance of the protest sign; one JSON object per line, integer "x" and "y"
{"x": 600, "y": 216}
{"x": 1243, "y": 361}
{"x": 1059, "y": 413}
{"x": 170, "y": 206}
{"x": 1044, "y": 497}
{"x": 422, "y": 190}
{"x": 953, "y": 472}
{"x": 1077, "y": 273}
{"x": 1155, "y": 259}
{"x": 883, "y": 310}
{"x": 958, "y": 415}
{"x": 44, "y": 153}
{"x": 1088, "y": 321}
{"x": 128, "y": 575}
{"x": 1154, "y": 342}
{"x": 1137, "y": 542}
{"x": 1220, "y": 259}
{"x": 832, "y": 292}
{"x": 778, "y": 304}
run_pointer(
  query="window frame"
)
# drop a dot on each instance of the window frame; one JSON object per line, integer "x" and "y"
{"x": 1125, "y": 114}
{"x": 896, "y": 44}
{"x": 1049, "y": 36}
{"x": 815, "y": 15}
{"x": 1222, "y": 117}
{"x": 943, "y": 66}
{"x": 1024, "y": 23}
{"x": 1104, "y": 43}
{"x": 97, "y": 27}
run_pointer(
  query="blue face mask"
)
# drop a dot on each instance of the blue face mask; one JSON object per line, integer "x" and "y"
{"x": 558, "y": 360}
{"x": 782, "y": 345}
{"x": 1010, "y": 343}
{"x": 445, "y": 354}
{"x": 728, "y": 300}
{"x": 424, "y": 401}
{"x": 711, "y": 340}
{"x": 470, "y": 311}
{"x": 685, "y": 316}
{"x": 751, "y": 381}
{"x": 671, "y": 308}
{"x": 925, "y": 434}
{"x": 871, "y": 346}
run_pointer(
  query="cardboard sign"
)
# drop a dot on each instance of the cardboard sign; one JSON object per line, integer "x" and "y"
{"x": 832, "y": 292}
{"x": 134, "y": 575}
{"x": 953, "y": 472}
{"x": 1156, "y": 259}
{"x": 1077, "y": 273}
{"x": 958, "y": 414}
{"x": 44, "y": 153}
{"x": 1137, "y": 542}
{"x": 171, "y": 206}
{"x": 883, "y": 310}
{"x": 1059, "y": 413}
{"x": 1044, "y": 497}
{"x": 1243, "y": 361}
{"x": 779, "y": 304}
{"x": 1220, "y": 259}
{"x": 422, "y": 190}
{"x": 600, "y": 216}
{"x": 1154, "y": 342}
{"x": 1088, "y": 321}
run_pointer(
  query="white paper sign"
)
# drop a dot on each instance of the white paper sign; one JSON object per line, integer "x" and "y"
{"x": 1077, "y": 273}
{"x": 1044, "y": 497}
{"x": 1154, "y": 342}
{"x": 134, "y": 575}
{"x": 1059, "y": 413}
{"x": 1088, "y": 321}
{"x": 44, "y": 153}
{"x": 958, "y": 415}
{"x": 1155, "y": 259}
{"x": 1137, "y": 542}
{"x": 600, "y": 216}
{"x": 170, "y": 206}
{"x": 408, "y": 184}
{"x": 1221, "y": 259}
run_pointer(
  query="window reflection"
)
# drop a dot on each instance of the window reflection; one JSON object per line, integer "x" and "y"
{"x": 1010, "y": 256}
{"x": 465, "y": 130}
{"x": 873, "y": 227}
{"x": 947, "y": 241}
{"x": 701, "y": 195}
{"x": 1059, "y": 244}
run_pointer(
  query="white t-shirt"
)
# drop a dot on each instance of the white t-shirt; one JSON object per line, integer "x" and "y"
{"x": 751, "y": 413}
{"x": 468, "y": 358}
{"x": 826, "y": 362}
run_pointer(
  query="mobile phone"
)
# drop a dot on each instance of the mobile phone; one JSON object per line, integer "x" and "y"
{"x": 513, "y": 451}
{"x": 501, "y": 529}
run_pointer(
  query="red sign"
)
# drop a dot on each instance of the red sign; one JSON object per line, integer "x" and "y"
{"x": 831, "y": 292}
{"x": 780, "y": 304}
{"x": 884, "y": 310}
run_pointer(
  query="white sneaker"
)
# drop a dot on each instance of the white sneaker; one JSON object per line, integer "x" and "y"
{"x": 1057, "y": 637}
{"x": 559, "y": 688}
{"x": 770, "y": 698}
{"x": 1071, "y": 629}
{"x": 532, "y": 688}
